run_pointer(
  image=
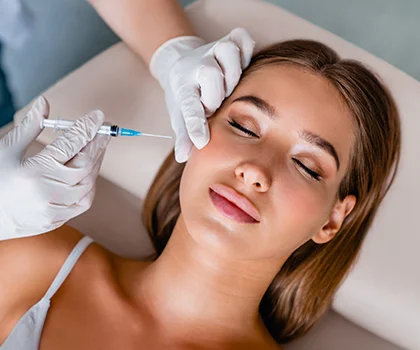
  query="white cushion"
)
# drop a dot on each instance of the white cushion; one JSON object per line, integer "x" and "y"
{"x": 382, "y": 294}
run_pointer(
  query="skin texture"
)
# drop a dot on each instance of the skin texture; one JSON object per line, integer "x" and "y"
{"x": 204, "y": 290}
{"x": 143, "y": 24}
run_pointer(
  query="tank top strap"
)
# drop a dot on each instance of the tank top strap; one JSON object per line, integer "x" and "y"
{"x": 68, "y": 266}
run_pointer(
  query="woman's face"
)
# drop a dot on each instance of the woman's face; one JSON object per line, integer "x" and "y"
{"x": 267, "y": 181}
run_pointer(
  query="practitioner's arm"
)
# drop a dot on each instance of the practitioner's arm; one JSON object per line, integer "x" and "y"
{"x": 144, "y": 24}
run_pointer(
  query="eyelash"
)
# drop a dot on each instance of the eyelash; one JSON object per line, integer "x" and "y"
{"x": 310, "y": 172}
{"x": 241, "y": 128}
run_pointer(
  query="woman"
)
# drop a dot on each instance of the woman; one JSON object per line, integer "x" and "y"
{"x": 249, "y": 256}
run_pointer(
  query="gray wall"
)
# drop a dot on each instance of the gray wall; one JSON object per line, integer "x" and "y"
{"x": 390, "y": 29}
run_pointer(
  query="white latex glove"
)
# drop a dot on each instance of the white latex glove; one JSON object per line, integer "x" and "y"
{"x": 196, "y": 79}
{"x": 41, "y": 193}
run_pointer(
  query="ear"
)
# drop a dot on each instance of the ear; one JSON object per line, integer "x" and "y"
{"x": 337, "y": 215}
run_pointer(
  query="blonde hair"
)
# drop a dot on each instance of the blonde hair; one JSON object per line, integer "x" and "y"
{"x": 303, "y": 289}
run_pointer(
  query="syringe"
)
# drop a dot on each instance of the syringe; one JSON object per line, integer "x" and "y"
{"x": 105, "y": 129}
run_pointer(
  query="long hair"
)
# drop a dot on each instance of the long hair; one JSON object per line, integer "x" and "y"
{"x": 303, "y": 289}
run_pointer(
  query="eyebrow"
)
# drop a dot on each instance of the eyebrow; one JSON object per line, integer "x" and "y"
{"x": 321, "y": 143}
{"x": 308, "y": 136}
{"x": 264, "y": 106}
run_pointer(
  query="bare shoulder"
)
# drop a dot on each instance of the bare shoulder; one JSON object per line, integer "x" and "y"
{"x": 27, "y": 268}
{"x": 31, "y": 262}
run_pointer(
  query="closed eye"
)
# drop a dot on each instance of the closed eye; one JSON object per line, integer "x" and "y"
{"x": 310, "y": 172}
{"x": 314, "y": 175}
{"x": 243, "y": 129}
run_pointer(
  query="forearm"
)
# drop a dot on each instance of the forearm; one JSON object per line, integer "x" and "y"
{"x": 144, "y": 24}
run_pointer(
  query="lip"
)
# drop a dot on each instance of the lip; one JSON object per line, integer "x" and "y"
{"x": 233, "y": 205}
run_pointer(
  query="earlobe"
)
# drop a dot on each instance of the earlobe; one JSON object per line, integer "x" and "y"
{"x": 338, "y": 213}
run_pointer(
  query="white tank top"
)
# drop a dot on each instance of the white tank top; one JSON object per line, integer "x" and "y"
{"x": 27, "y": 332}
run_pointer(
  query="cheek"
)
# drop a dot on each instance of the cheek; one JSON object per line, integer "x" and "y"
{"x": 204, "y": 168}
{"x": 298, "y": 213}
{"x": 301, "y": 200}
{"x": 217, "y": 158}
{"x": 221, "y": 146}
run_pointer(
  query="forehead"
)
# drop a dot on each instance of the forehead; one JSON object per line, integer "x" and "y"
{"x": 303, "y": 100}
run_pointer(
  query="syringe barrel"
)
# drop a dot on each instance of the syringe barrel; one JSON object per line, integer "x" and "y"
{"x": 59, "y": 124}
{"x": 108, "y": 129}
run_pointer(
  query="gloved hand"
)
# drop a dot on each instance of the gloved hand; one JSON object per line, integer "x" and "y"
{"x": 41, "y": 193}
{"x": 196, "y": 79}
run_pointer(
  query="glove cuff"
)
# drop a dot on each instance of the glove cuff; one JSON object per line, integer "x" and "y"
{"x": 169, "y": 52}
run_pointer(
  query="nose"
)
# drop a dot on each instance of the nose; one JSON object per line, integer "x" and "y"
{"x": 253, "y": 175}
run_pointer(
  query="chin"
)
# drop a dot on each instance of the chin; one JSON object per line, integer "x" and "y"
{"x": 218, "y": 235}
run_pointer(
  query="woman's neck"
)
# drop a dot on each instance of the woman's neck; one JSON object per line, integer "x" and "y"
{"x": 189, "y": 289}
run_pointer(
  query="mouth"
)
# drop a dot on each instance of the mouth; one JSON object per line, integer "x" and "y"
{"x": 233, "y": 205}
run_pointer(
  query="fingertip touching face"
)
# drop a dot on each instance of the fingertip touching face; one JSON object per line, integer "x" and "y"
{"x": 267, "y": 182}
